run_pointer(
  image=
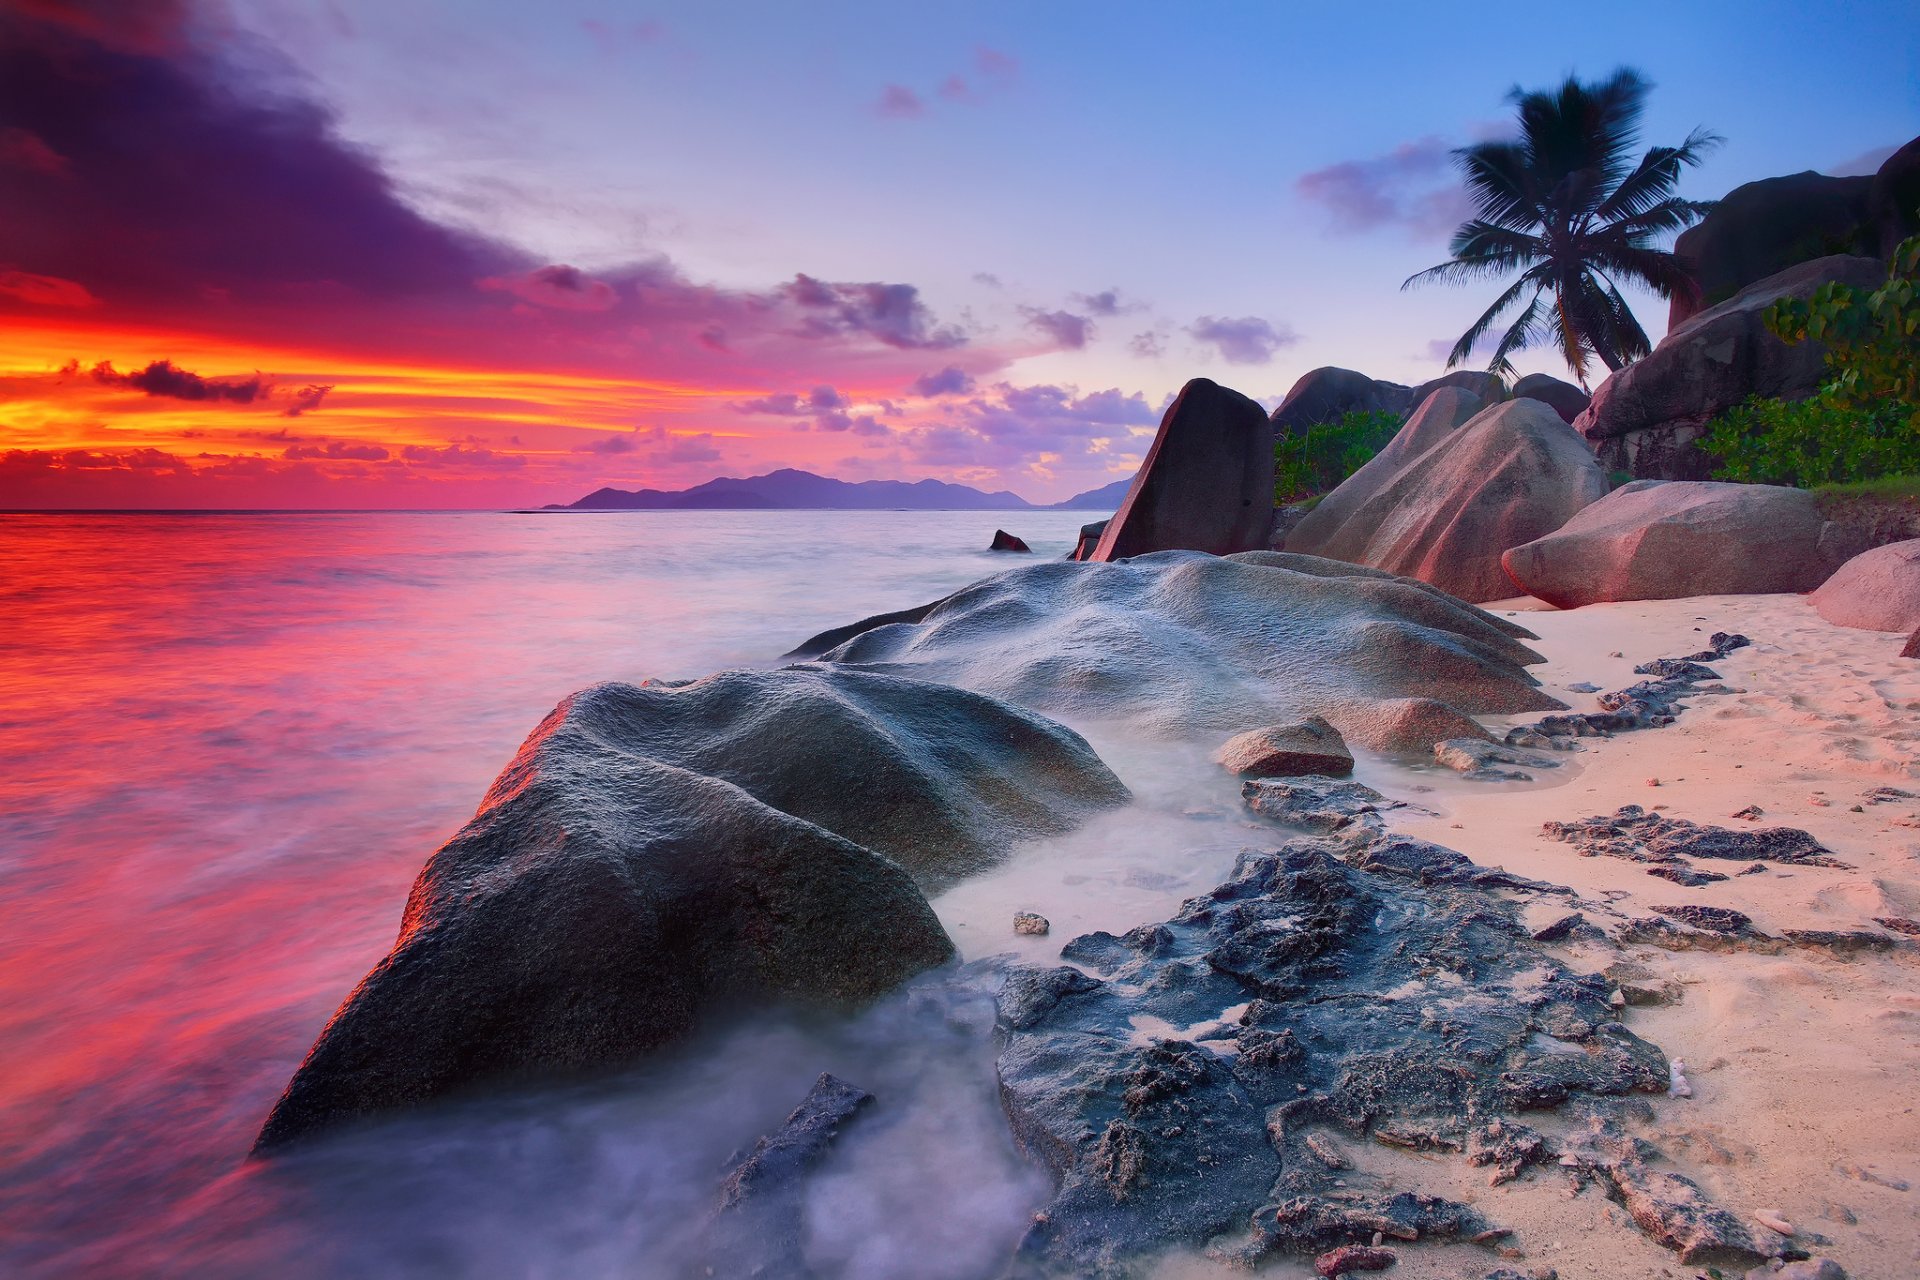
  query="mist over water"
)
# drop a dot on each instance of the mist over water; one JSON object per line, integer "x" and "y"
{"x": 230, "y": 742}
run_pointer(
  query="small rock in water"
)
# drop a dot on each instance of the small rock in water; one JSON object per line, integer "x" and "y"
{"x": 1772, "y": 1221}
{"x": 1004, "y": 541}
{"x": 1288, "y": 751}
{"x": 1028, "y": 923}
{"x": 1353, "y": 1257}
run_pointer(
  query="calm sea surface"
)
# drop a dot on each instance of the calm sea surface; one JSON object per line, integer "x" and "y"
{"x": 227, "y": 744}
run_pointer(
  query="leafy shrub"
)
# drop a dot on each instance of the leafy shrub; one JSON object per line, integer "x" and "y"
{"x": 1872, "y": 341}
{"x": 1821, "y": 440}
{"x": 1320, "y": 457}
{"x": 1865, "y": 422}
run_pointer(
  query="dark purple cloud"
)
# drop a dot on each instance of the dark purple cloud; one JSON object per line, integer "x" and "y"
{"x": 1246, "y": 340}
{"x": 333, "y": 449}
{"x": 307, "y": 399}
{"x": 163, "y": 378}
{"x": 1412, "y": 187}
{"x": 792, "y": 404}
{"x": 889, "y": 313}
{"x": 1068, "y": 331}
{"x": 1150, "y": 345}
{"x": 566, "y": 288}
{"x": 950, "y": 381}
{"x": 1104, "y": 303}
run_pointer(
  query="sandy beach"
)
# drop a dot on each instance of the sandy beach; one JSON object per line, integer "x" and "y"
{"x": 1804, "y": 1066}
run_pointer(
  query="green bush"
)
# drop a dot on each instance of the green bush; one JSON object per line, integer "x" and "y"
{"x": 1320, "y": 457}
{"x": 1865, "y": 422}
{"x": 1821, "y": 440}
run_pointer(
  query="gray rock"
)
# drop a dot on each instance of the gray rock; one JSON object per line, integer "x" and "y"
{"x": 1564, "y": 398}
{"x": 1480, "y": 759}
{"x": 1636, "y": 835}
{"x": 761, "y": 1227}
{"x": 1513, "y": 473}
{"x": 1669, "y": 1208}
{"x": 1645, "y": 418}
{"x": 1206, "y": 483}
{"x": 654, "y": 854}
{"x": 1287, "y": 750}
{"x": 1391, "y": 998}
{"x": 1878, "y": 590}
{"x": 1668, "y": 540}
{"x": 1330, "y": 529}
{"x": 1805, "y": 1269}
{"x": 1713, "y": 919}
{"x": 1649, "y": 704}
{"x": 1183, "y": 643}
{"x": 1328, "y": 394}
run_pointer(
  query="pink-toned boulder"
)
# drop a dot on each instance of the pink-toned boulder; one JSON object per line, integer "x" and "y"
{"x": 1512, "y": 473}
{"x": 1664, "y": 540}
{"x": 1878, "y": 590}
{"x": 1329, "y": 529}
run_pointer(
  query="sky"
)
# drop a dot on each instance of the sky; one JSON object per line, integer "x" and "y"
{"x": 483, "y": 253}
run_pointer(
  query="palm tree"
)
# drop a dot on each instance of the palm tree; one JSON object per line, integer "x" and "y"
{"x": 1566, "y": 205}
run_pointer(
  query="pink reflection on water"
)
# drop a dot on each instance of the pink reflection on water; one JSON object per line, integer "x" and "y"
{"x": 228, "y": 744}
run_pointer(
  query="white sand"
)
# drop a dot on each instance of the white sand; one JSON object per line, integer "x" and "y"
{"x": 1805, "y": 1067}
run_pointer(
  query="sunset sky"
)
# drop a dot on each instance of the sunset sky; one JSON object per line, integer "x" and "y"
{"x": 478, "y": 253}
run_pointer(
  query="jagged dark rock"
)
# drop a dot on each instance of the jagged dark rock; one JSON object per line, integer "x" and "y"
{"x": 760, "y": 1227}
{"x": 1481, "y": 760}
{"x": 1004, "y": 541}
{"x": 1364, "y": 986}
{"x": 1650, "y": 704}
{"x": 1349, "y": 1258}
{"x": 1716, "y": 919}
{"x": 1636, "y": 835}
{"x": 1671, "y": 1209}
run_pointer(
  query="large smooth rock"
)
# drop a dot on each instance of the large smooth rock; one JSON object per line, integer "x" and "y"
{"x": 1510, "y": 474}
{"x": 1655, "y": 540}
{"x": 1487, "y": 386}
{"x": 1761, "y": 228}
{"x": 1206, "y": 484}
{"x": 1566, "y": 399}
{"x": 655, "y": 856}
{"x": 1181, "y": 643}
{"x": 1878, "y": 590}
{"x": 1329, "y": 529}
{"x": 1330, "y": 393}
{"x": 1893, "y": 200}
{"x": 1645, "y": 418}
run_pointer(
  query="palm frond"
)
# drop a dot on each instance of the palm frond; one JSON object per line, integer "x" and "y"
{"x": 1463, "y": 349}
{"x": 1652, "y": 182}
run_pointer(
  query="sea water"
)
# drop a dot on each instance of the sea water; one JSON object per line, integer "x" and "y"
{"x": 228, "y": 743}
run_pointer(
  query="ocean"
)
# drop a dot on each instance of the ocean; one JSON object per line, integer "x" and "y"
{"x": 230, "y": 741}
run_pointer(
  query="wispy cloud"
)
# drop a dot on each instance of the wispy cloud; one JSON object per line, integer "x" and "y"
{"x": 1246, "y": 340}
{"x": 1411, "y": 187}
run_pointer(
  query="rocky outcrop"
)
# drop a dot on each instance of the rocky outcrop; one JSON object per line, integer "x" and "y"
{"x": 1645, "y": 419}
{"x": 654, "y": 854}
{"x": 1655, "y": 540}
{"x": 1877, "y": 590}
{"x": 760, "y": 1229}
{"x": 1287, "y": 750}
{"x": 1479, "y": 382}
{"x": 1327, "y": 394}
{"x": 1085, "y": 544}
{"x": 1507, "y": 476}
{"x": 1004, "y": 541}
{"x": 1762, "y": 228}
{"x": 1183, "y": 643}
{"x": 1358, "y": 989}
{"x": 1893, "y": 200}
{"x": 1564, "y": 398}
{"x": 1330, "y": 528}
{"x": 1206, "y": 484}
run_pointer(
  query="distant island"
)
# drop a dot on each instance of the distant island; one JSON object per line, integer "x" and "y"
{"x": 791, "y": 490}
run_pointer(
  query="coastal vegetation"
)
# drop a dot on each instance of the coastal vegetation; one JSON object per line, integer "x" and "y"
{"x": 1863, "y": 424}
{"x": 1567, "y": 206}
{"x": 1319, "y": 456}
